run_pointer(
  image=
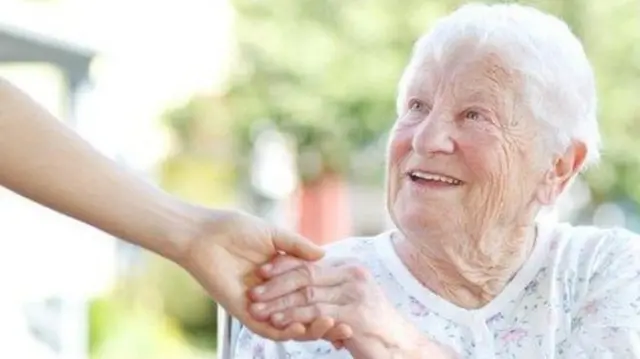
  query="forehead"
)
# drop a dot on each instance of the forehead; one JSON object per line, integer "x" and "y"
{"x": 466, "y": 72}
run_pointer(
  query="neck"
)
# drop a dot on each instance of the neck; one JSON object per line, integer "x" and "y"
{"x": 467, "y": 270}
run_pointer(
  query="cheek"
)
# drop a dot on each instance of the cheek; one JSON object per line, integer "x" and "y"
{"x": 484, "y": 156}
{"x": 502, "y": 168}
{"x": 398, "y": 148}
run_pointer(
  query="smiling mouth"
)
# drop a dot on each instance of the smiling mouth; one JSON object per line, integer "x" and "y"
{"x": 432, "y": 178}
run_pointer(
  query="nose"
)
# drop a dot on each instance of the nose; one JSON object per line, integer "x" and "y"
{"x": 433, "y": 135}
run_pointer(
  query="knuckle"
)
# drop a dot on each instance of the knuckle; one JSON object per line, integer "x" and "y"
{"x": 339, "y": 262}
{"x": 285, "y": 302}
{"x": 279, "y": 261}
{"x": 318, "y": 310}
{"x": 359, "y": 291}
{"x": 309, "y": 294}
{"x": 285, "y": 260}
{"x": 359, "y": 272}
{"x": 307, "y": 271}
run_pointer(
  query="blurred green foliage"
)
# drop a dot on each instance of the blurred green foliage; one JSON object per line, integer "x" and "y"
{"x": 325, "y": 72}
{"x": 612, "y": 38}
{"x": 199, "y": 167}
{"x": 159, "y": 312}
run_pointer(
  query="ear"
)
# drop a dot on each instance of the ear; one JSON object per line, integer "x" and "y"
{"x": 565, "y": 167}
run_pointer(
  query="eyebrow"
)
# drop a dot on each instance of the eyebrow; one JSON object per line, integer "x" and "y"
{"x": 483, "y": 97}
{"x": 489, "y": 96}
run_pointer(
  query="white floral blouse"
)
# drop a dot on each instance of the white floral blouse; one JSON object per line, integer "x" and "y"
{"x": 577, "y": 296}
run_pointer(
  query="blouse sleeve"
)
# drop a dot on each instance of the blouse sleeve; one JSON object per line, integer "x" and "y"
{"x": 607, "y": 324}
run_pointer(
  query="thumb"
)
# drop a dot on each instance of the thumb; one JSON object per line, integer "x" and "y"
{"x": 296, "y": 245}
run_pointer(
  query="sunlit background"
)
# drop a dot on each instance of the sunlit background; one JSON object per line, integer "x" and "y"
{"x": 278, "y": 107}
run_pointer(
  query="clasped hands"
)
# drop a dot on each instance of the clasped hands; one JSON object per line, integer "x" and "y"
{"x": 333, "y": 299}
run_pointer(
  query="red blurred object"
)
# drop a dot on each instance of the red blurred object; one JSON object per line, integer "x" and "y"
{"x": 323, "y": 208}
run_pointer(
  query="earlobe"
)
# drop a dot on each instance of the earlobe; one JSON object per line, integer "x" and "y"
{"x": 547, "y": 189}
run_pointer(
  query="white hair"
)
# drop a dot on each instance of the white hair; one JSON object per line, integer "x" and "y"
{"x": 558, "y": 79}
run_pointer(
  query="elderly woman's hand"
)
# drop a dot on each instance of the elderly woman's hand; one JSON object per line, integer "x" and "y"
{"x": 297, "y": 291}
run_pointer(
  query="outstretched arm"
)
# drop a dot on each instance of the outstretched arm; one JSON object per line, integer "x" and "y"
{"x": 42, "y": 159}
{"x": 46, "y": 161}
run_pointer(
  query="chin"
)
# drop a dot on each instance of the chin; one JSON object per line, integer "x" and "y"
{"x": 412, "y": 220}
{"x": 417, "y": 218}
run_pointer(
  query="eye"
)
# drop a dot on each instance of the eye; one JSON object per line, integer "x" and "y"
{"x": 416, "y": 105}
{"x": 473, "y": 115}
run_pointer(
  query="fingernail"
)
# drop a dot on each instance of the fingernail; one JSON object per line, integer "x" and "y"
{"x": 267, "y": 268}
{"x": 259, "y": 307}
{"x": 259, "y": 289}
{"x": 278, "y": 317}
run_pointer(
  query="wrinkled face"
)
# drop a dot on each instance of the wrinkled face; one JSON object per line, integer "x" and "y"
{"x": 464, "y": 153}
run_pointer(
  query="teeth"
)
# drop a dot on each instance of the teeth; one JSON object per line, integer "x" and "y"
{"x": 434, "y": 177}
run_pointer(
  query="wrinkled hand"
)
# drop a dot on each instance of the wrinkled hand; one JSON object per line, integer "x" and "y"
{"x": 225, "y": 255}
{"x": 298, "y": 291}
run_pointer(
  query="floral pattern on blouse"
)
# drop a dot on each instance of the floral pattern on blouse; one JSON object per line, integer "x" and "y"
{"x": 581, "y": 301}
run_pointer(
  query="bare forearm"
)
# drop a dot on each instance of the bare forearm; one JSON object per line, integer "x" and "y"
{"x": 42, "y": 159}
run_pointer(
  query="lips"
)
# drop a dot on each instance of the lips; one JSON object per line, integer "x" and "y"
{"x": 420, "y": 175}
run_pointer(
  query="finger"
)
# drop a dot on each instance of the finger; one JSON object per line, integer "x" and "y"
{"x": 267, "y": 330}
{"x": 299, "y": 298}
{"x": 293, "y": 331}
{"x": 304, "y": 315}
{"x": 307, "y": 275}
{"x": 280, "y": 264}
{"x": 319, "y": 328}
{"x": 283, "y": 263}
{"x": 296, "y": 245}
{"x": 338, "y": 335}
{"x": 340, "y": 332}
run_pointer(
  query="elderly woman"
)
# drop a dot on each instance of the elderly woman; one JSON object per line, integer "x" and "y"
{"x": 496, "y": 116}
